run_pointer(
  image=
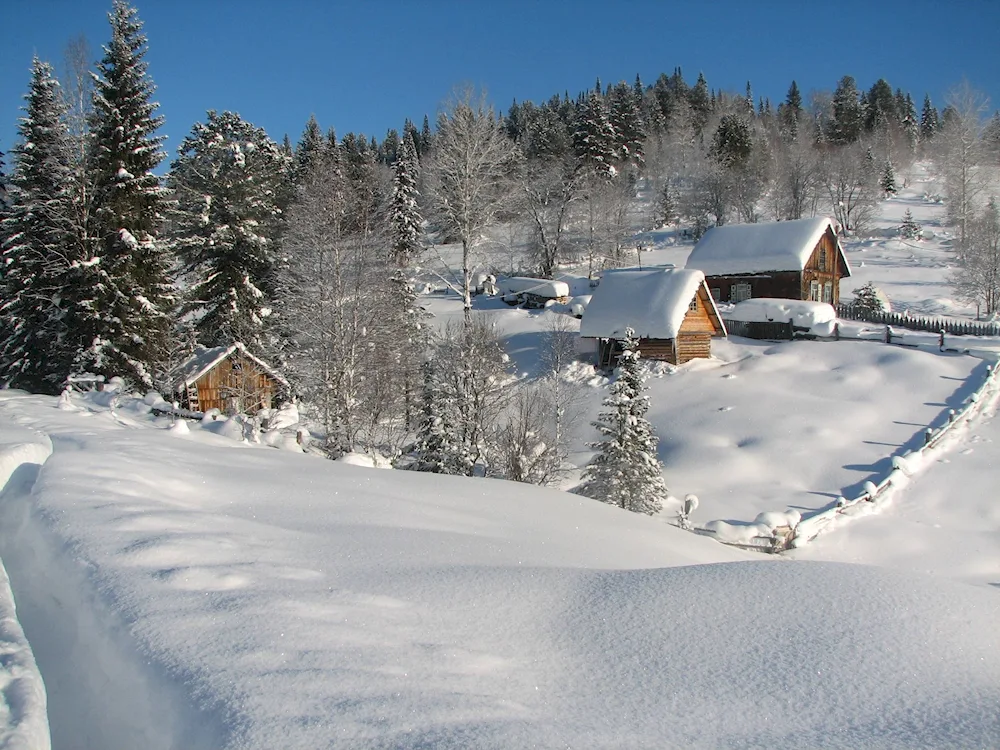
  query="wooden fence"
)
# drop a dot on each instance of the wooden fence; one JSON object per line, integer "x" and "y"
{"x": 920, "y": 323}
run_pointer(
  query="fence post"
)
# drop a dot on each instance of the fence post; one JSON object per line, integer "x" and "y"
{"x": 928, "y": 434}
{"x": 951, "y": 416}
{"x": 941, "y": 341}
{"x": 836, "y": 331}
{"x": 888, "y": 334}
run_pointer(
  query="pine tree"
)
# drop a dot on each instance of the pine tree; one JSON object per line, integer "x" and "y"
{"x": 701, "y": 106}
{"x": 626, "y": 471}
{"x": 404, "y": 213}
{"x": 134, "y": 299}
{"x": 434, "y": 450}
{"x": 35, "y": 350}
{"x": 881, "y": 107}
{"x": 224, "y": 228}
{"x": 909, "y": 229}
{"x": 310, "y": 146}
{"x": 929, "y": 123}
{"x": 790, "y": 112}
{"x": 848, "y": 115}
{"x": 626, "y": 119}
{"x": 594, "y": 138}
{"x": 867, "y": 300}
{"x": 888, "y": 181}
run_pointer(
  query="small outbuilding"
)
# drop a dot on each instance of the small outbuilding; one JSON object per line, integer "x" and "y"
{"x": 800, "y": 259}
{"x": 670, "y": 310}
{"x": 532, "y": 292}
{"x": 228, "y": 378}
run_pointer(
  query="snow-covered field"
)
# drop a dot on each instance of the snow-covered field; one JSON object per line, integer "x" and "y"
{"x": 183, "y": 589}
{"x": 186, "y": 590}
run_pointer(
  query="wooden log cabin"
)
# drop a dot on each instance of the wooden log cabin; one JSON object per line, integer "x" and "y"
{"x": 227, "y": 378}
{"x": 670, "y": 310}
{"x": 800, "y": 259}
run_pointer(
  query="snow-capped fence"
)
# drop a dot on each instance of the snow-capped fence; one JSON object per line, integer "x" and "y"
{"x": 777, "y": 532}
{"x": 902, "y": 466}
{"x": 920, "y": 323}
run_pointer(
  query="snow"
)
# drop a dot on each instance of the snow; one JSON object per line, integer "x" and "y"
{"x": 540, "y": 287}
{"x": 182, "y": 587}
{"x": 757, "y": 248}
{"x": 260, "y": 599}
{"x": 818, "y": 317}
{"x": 651, "y": 302}
{"x": 23, "y": 717}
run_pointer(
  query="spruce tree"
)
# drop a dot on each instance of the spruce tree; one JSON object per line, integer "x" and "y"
{"x": 790, "y": 112}
{"x": 888, "y": 181}
{"x": 35, "y": 351}
{"x": 133, "y": 304}
{"x": 626, "y": 120}
{"x": 224, "y": 224}
{"x": 867, "y": 301}
{"x": 848, "y": 114}
{"x": 626, "y": 470}
{"x": 909, "y": 229}
{"x": 309, "y": 147}
{"x": 698, "y": 99}
{"x": 594, "y": 138}
{"x": 404, "y": 213}
{"x": 929, "y": 123}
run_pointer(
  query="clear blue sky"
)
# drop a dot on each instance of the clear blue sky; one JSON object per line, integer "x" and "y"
{"x": 365, "y": 66}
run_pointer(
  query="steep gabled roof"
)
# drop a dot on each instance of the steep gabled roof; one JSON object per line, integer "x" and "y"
{"x": 203, "y": 360}
{"x": 651, "y": 302}
{"x": 758, "y": 248}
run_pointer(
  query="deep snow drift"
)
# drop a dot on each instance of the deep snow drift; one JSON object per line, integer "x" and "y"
{"x": 260, "y": 599}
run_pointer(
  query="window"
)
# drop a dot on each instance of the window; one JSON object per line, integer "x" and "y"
{"x": 814, "y": 291}
{"x": 739, "y": 292}
{"x": 822, "y": 259}
{"x": 693, "y": 304}
{"x": 717, "y": 294}
{"x": 828, "y": 292}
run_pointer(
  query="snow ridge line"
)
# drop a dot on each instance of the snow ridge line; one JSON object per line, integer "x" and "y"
{"x": 778, "y": 532}
{"x": 24, "y": 723}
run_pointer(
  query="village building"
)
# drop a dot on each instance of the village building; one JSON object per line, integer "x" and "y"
{"x": 670, "y": 310}
{"x": 227, "y": 378}
{"x": 800, "y": 259}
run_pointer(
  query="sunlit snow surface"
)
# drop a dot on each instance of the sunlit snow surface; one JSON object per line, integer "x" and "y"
{"x": 244, "y": 597}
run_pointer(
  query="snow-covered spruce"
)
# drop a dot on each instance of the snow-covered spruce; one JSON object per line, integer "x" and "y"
{"x": 626, "y": 470}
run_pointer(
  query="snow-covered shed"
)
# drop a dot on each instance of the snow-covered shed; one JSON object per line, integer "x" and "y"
{"x": 228, "y": 378}
{"x": 670, "y": 310}
{"x": 804, "y": 316}
{"x": 800, "y": 259}
{"x": 533, "y": 292}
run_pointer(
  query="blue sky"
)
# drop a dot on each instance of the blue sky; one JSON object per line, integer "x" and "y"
{"x": 365, "y": 66}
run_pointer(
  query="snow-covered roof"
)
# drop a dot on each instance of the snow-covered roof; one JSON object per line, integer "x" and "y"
{"x": 204, "y": 359}
{"x": 651, "y": 302}
{"x": 541, "y": 287}
{"x": 802, "y": 313}
{"x": 757, "y": 248}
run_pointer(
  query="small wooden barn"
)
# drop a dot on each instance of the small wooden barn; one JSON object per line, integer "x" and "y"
{"x": 670, "y": 310}
{"x": 228, "y": 378}
{"x": 800, "y": 259}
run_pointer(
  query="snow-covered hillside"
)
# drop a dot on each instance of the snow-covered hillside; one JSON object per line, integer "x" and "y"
{"x": 186, "y": 590}
{"x": 183, "y": 588}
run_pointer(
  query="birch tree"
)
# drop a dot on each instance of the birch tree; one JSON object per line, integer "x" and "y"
{"x": 471, "y": 175}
